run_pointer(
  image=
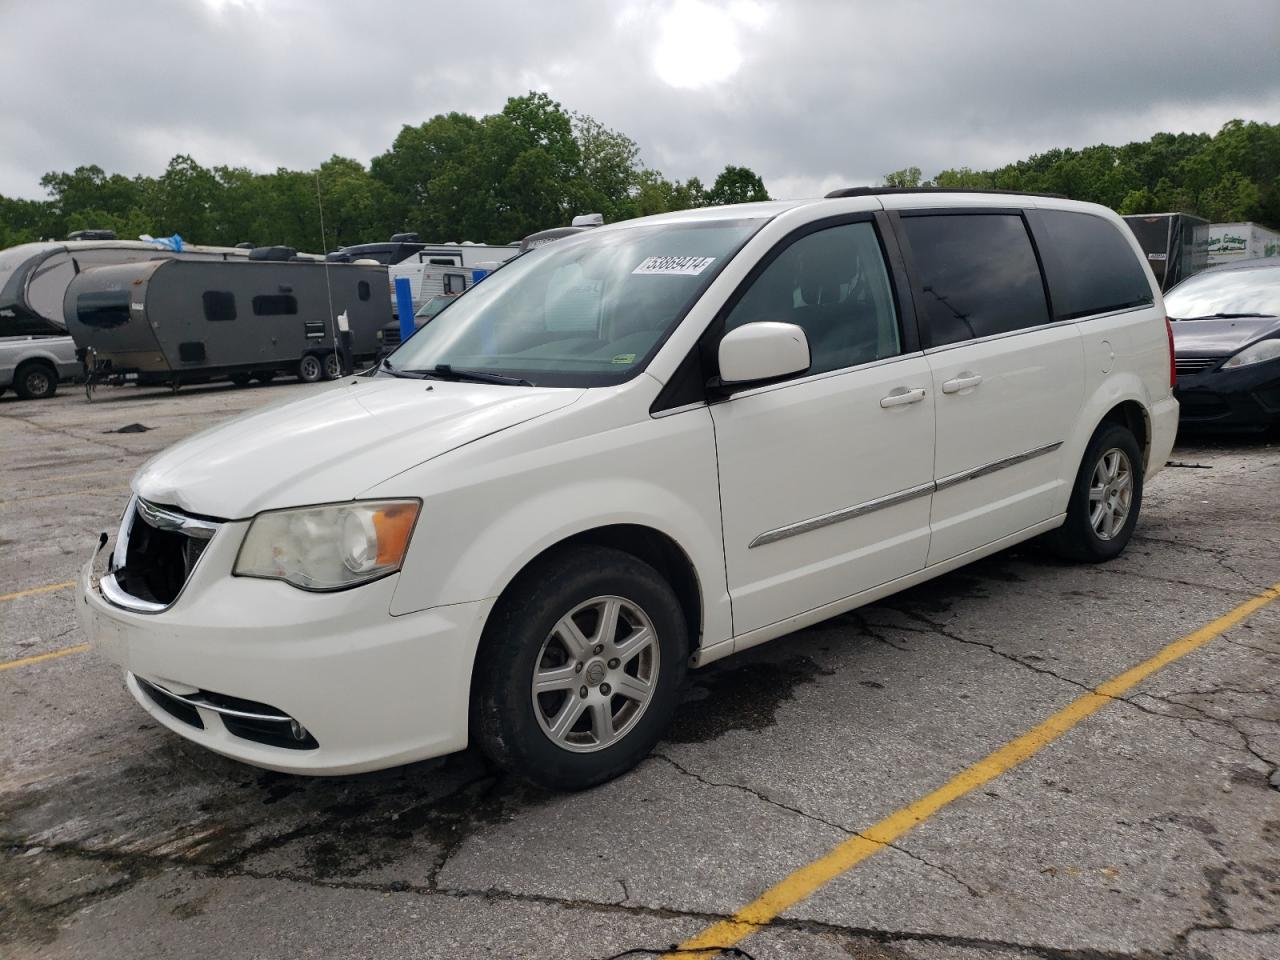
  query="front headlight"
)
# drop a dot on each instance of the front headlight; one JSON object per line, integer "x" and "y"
{"x": 328, "y": 548}
{"x": 1260, "y": 351}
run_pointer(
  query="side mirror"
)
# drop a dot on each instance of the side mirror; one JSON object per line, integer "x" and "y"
{"x": 762, "y": 351}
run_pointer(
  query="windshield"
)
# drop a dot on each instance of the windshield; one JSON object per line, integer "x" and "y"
{"x": 1251, "y": 290}
{"x": 588, "y": 310}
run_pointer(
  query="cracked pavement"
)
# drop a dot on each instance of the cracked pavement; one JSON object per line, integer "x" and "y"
{"x": 1151, "y": 830}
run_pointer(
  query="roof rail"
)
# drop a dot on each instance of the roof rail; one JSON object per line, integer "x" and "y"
{"x": 875, "y": 191}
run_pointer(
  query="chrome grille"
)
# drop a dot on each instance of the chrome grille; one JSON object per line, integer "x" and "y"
{"x": 1189, "y": 365}
{"x": 156, "y": 551}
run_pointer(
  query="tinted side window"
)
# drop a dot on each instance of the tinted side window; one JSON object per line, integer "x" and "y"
{"x": 15, "y": 324}
{"x": 103, "y": 308}
{"x": 834, "y": 286}
{"x": 219, "y": 305}
{"x": 275, "y": 304}
{"x": 978, "y": 273}
{"x": 1097, "y": 269}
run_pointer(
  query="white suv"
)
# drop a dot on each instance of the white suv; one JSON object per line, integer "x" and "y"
{"x": 631, "y": 451}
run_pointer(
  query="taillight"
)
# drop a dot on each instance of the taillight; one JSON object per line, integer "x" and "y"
{"x": 1173, "y": 367}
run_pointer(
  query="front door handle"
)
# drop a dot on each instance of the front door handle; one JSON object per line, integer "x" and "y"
{"x": 964, "y": 382}
{"x": 902, "y": 395}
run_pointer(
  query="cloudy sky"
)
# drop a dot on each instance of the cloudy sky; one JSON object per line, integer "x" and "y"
{"x": 808, "y": 94}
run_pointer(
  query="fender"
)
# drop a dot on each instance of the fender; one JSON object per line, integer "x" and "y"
{"x": 499, "y": 503}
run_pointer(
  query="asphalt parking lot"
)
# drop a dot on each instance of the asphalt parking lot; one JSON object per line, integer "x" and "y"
{"x": 1146, "y": 824}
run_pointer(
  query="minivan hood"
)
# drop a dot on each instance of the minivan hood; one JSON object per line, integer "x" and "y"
{"x": 330, "y": 447}
{"x": 1219, "y": 338}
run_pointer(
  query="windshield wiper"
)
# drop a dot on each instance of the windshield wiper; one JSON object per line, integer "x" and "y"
{"x": 403, "y": 374}
{"x": 447, "y": 371}
{"x": 1226, "y": 316}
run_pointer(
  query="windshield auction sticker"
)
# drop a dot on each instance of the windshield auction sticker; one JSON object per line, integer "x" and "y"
{"x": 674, "y": 266}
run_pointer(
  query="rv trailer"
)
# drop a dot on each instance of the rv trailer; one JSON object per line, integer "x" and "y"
{"x": 34, "y": 276}
{"x": 184, "y": 321}
{"x": 1176, "y": 244}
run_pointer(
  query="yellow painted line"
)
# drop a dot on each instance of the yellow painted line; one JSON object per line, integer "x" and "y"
{"x": 34, "y": 590}
{"x": 807, "y": 880}
{"x": 42, "y": 657}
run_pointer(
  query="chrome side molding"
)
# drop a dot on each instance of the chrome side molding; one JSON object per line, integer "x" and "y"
{"x": 839, "y": 516}
{"x": 902, "y": 496}
{"x": 989, "y": 468}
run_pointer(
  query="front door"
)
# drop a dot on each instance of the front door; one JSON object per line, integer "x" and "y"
{"x": 825, "y": 478}
{"x": 1007, "y": 382}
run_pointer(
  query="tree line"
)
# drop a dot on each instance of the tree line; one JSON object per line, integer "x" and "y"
{"x": 490, "y": 179}
{"x": 1231, "y": 175}
{"x": 535, "y": 165}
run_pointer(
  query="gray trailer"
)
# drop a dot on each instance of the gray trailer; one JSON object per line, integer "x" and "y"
{"x": 175, "y": 322}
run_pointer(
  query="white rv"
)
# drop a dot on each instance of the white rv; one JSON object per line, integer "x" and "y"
{"x": 447, "y": 268}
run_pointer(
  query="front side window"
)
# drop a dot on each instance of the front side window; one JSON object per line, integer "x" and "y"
{"x": 588, "y": 310}
{"x": 103, "y": 308}
{"x": 1097, "y": 269}
{"x": 833, "y": 285}
{"x": 1255, "y": 290}
{"x": 978, "y": 274}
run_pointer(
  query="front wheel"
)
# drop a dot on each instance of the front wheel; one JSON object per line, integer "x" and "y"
{"x": 1105, "y": 499}
{"x": 309, "y": 369}
{"x": 579, "y": 670}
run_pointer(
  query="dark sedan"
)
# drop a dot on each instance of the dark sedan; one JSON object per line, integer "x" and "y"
{"x": 1226, "y": 336}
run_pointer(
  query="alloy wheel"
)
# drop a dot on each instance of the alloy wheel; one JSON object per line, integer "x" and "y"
{"x": 595, "y": 674}
{"x": 1110, "y": 493}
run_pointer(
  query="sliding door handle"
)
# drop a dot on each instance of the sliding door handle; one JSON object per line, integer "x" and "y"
{"x": 964, "y": 382}
{"x": 902, "y": 395}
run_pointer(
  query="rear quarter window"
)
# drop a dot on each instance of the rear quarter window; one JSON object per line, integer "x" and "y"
{"x": 1094, "y": 269}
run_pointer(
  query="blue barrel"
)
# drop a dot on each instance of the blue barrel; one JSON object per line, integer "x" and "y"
{"x": 404, "y": 306}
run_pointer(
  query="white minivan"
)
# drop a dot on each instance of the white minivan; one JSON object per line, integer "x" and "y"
{"x": 632, "y": 451}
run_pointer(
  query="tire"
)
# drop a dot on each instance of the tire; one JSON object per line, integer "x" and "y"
{"x": 332, "y": 366}
{"x": 310, "y": 369}
{"x": 241, "y": 379}
{"x": 526, "y": 633}
{"x": 35, "y": 380}
{"x": 1099, "y": 523}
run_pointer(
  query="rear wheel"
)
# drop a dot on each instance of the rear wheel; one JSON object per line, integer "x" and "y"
{"x": 309, "y": 369}
{"x": 332, "y": 366}
{"x": 579, "y": 670}
{"x": 35, "y": 380}
{"x": 1105, "y": 500}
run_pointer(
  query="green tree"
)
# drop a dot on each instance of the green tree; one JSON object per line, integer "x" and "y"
{"x": 736, "y": 185}
{"x": 906, "y": 177}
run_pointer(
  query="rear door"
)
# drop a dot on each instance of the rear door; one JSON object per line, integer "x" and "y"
{"x": 825, "y": 477}
{"x": 1008, "y": 380}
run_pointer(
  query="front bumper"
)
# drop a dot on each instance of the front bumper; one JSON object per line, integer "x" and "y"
{"x": 1246, "y": 398}
{"x": 373, "y": 690}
